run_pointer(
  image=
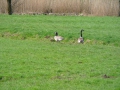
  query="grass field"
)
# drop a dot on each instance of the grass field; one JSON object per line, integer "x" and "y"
{"x": 30, "y": 61}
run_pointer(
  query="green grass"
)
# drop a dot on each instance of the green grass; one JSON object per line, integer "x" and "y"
{"x": 100, "y": 29}
{"x": 29, "y": 61}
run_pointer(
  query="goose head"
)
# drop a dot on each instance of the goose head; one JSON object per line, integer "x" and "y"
{"x": 56, "y": 33}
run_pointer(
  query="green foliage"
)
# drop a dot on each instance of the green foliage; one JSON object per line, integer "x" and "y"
{"x": 30, "y": 61}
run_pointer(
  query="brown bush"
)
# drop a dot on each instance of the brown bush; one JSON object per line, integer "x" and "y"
{"x": 79, "y": 7}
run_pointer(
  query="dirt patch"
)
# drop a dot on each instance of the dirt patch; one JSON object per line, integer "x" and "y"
{"x": 105, "y": 76}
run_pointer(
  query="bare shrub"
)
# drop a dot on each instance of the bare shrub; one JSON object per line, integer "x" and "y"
{"x": 83, "y": 7}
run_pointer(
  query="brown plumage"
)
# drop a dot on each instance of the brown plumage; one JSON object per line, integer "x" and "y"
{"x": 80, "y": 39}
{"x": 57, "y": 38}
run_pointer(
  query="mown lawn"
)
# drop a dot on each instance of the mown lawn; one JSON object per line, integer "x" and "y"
{"x": 30, "y": 61}
{"x": 104, "y": 30}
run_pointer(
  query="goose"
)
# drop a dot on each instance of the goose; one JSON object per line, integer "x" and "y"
{"x": 57, "y": 38}
{"x": 81, "y": 40}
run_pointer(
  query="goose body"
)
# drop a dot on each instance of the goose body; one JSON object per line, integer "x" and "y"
{"x": 81, "y": 40}
{"x": 57, "y": 38}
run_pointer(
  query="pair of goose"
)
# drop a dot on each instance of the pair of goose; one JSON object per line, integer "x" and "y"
{"x": 59, "y": 38}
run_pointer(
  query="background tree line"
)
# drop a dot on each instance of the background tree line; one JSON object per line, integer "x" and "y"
{"x": 85, "y": 7}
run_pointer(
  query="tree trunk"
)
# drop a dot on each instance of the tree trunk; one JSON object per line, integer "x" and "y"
{"x": 9, "y": 7}
{"x": 119, "y": 7}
